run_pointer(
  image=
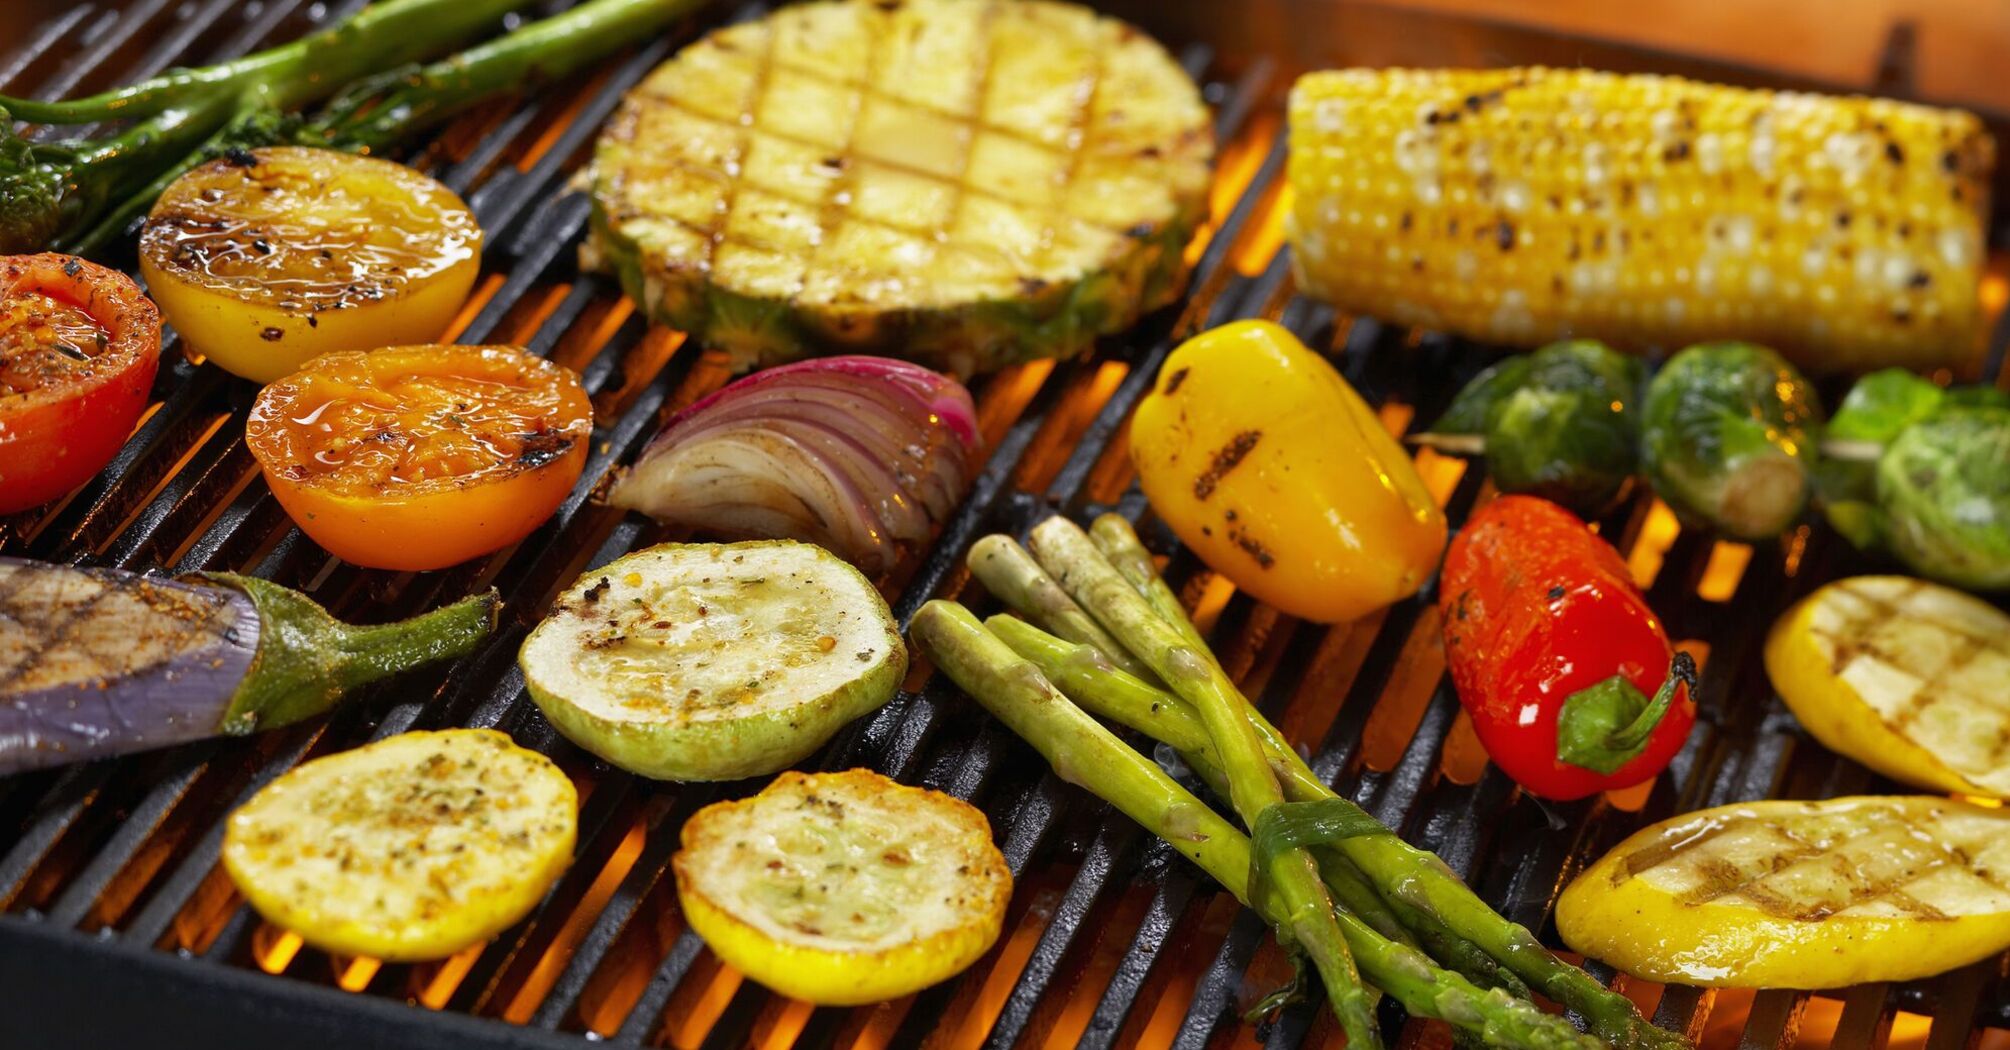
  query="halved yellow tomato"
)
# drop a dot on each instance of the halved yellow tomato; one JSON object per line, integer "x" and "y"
{"x": 263, "y": 259}
{"x": 420, "y": 457}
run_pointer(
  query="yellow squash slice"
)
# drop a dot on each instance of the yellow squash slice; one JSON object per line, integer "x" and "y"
{"x": 843, "y": 888}
{"x": 1907, "y": 677}
{"x": 1799, "y": 894}
{"x": 411, "y": 848}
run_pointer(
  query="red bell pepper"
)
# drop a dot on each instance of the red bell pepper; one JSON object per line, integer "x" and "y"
{"x": 1566, "y": 673}
{"x": 78, "y": 348}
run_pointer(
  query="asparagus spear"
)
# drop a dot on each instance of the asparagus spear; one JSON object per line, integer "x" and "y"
{"x": 1067, "y": 553}
{"x": 1114, "y": 536}
{"x": 1429, "y": 898}
{"x": 1008, "y": 571}
{"x": 1082, "y": 751}
{"x": 1086, "y": 678}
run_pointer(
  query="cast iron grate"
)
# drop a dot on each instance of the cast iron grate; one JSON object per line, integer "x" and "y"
{"x": 108, "y": 871}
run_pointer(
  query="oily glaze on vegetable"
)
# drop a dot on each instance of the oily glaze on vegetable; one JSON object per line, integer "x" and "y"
{"x": 1561, "y": 423}
{"x": 1556, "y": 654}
{"x": 99, "y": 662}
{"x": 411, "y": 848}
{"x": 421, "y": 457}
{"x": 843, "y": 888}
{"x": 264, "y": 259}
{"x": 1826, "y": 894}
{"x": 1272, "y": 469}
{"x": 1902, "y": 675}
{"x": 1729, "y": 438}
{"x": 713, "y": 661}
{"x": 79, "y": 346}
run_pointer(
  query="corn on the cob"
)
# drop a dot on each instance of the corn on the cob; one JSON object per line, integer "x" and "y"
{"x": 966, "y": 183}
{"x": 1525, "y": 205}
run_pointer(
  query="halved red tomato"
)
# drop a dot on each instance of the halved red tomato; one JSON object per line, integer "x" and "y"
{"x": 78, "y": 348}
{"x": 421, "y": 457}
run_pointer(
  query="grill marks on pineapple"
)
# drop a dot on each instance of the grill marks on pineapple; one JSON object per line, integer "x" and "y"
{"x": 1790, "y": 866}
{"x": 1924, "y": 682}
{"x": 855, "y": 163}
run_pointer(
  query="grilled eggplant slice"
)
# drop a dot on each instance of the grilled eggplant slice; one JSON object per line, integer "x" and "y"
{"x": 844, "y": 888}
{"x": 98, "y": 662}
{"x": 411, "y": 848}
{"x": 963, "y": 183}
{"x": 1907, "y": 677}
{"x": 703, "y": 661}
{"x": 1799, "y": 894}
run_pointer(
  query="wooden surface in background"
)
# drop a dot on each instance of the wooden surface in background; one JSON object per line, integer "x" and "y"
{"x": 1962, "y": 56}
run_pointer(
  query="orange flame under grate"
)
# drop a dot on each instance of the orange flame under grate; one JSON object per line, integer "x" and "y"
{"x": 1106, "y": 942}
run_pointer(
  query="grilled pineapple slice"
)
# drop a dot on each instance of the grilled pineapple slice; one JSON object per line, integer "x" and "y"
{"x": 843, "y": 888}
{"x": 1907, "y": 677}
{"x": 1799, "y": 894}
{"x": 411, "y": 848}
{"x": 964, "y": 183}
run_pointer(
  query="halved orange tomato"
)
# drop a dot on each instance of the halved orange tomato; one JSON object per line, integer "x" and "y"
{"x": 420, "y": 457}
{"x": 79, "y": 346}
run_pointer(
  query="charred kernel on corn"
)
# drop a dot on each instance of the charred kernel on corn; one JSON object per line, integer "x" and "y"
{"x": 1527, "y": 205}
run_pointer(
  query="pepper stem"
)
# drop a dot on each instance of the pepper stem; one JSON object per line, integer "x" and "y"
{"x": 307, "y": 660}
{"x": 1604, "y": 726}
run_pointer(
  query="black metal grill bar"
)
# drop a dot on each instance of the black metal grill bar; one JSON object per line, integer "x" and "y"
{"x": 130, "y": 513}
{"x": 92, "y": 57}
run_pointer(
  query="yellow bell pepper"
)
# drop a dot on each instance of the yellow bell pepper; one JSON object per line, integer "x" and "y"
{"x": 1905, "y": 676}
{"x": 1273, "y": 470}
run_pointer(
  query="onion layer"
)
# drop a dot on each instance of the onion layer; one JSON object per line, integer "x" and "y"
{"x": 865, "y": 456}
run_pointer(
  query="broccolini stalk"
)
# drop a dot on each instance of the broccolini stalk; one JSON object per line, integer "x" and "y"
{"x": 79, "y": 195}
{"x": 1428, "y": 897}
{"x": 397, "y": 31}
{"x": 71, "y": 184}
{"x": 1083, "y": 752}
{"x": 1307, "y": 908}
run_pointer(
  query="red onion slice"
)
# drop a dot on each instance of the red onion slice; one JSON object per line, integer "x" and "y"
{"x": 866, "y": 456}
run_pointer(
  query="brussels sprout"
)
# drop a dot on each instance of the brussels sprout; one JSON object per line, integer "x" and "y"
{"x": 1729, "y": 434}
{"x": 1558, "y": 423}
{"x": 1943, "y": 486}
{"x": 1877, "y": 409}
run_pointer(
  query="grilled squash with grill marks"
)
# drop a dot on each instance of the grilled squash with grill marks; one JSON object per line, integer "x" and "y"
{"x": 1907, "y": 677}
{"x": 1799, "y": 894}
{"x": 844, "y": 888}
{"x": 411, "y": 848}
{"x": 963, "y": 183}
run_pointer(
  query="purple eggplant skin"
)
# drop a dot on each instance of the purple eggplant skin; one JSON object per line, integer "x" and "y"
{"x": 99, "y": 662}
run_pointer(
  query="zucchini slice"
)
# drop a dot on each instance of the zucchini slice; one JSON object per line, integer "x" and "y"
{"x": 1907, "y": 677}
{"x": 843, "y": 888}
{"x": 963, "y": 183}
{"x": 1799, "y": 894}
{"x": 411, "y": 848}
{"x": 713, "y": 661}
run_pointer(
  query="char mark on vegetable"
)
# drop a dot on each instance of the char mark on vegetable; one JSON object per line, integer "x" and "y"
{"x": 1227, "y": 458}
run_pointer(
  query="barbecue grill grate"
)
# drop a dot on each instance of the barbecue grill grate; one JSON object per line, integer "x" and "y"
{"x": 108, "y": 872}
